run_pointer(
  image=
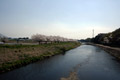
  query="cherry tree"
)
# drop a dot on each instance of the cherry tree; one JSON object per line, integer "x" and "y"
{"x": 39, "y": 38}
{"x": 42, "y": 38}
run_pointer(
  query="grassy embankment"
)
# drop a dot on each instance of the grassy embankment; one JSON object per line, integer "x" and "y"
{"x": 13, "y": 56}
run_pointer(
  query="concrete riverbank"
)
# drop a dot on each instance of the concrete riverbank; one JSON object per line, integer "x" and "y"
{"x": 114, "y": 51}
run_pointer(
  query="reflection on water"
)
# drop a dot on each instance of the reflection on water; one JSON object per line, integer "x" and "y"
{"x": 88, "y": 62}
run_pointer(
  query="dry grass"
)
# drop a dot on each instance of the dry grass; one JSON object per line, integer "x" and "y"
{"x": 12, "y": 55}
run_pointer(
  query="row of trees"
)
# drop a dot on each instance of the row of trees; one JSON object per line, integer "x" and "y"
{"x": 43, "y": 38}
{"x": 111, "y": 39}
{"x": 37, "y": 38}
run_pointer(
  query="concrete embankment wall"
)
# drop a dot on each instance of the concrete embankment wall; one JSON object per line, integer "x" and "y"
{"x": 111, "y": 50}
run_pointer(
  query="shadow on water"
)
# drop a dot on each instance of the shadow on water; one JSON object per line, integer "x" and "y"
{"x": 84, "y": 63}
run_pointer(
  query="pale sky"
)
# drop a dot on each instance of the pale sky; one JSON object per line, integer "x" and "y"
{"x": 67, "y": 18}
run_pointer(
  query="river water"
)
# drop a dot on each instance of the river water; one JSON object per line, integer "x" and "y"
{"x": 89, "y": 62}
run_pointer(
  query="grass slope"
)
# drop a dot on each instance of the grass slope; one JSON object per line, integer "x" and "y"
{"x": 13, "y": 56}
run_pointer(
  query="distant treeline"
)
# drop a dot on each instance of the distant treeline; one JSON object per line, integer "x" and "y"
{"x": 35, "y": 38}
{"x": 43, "y": 38}
{"x": 110, "y": 39}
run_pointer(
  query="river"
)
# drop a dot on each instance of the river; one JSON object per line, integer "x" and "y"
{"x": 85, "y": 62}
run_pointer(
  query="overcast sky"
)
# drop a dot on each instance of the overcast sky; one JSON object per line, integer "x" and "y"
{"x": 67, "y": 18}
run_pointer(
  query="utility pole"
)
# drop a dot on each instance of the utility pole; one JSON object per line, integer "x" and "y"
{"x": 93, "y": 33}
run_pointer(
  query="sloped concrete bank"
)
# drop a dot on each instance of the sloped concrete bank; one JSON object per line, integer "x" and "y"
{"x": 111, "y": 50}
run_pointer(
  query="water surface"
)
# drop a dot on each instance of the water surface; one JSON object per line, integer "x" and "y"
{"x": 89, "y": 62}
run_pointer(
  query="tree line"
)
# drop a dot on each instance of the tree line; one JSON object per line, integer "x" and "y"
{"x": 50, "y": 39}
{"x": 36, "y": 38}
{"x": 111, "y": 39}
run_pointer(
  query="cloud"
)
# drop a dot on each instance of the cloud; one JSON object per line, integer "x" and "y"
{"x": 75, "y": 31}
